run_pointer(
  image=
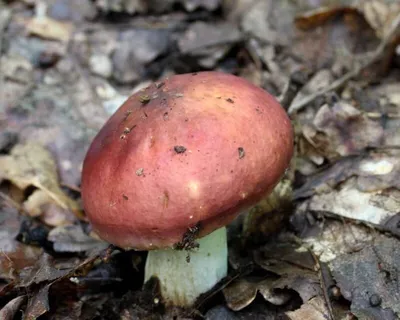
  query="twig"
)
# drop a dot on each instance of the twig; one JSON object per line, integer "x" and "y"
{"x": 323, "y": 285}
{"x": 369, "y": 58}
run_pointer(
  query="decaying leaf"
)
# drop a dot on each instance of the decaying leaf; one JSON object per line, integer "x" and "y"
{"x": 347, "y": 201}
{"x": 337, "y": 238}
{"x": 346, "y": 130}
{"x": 370, "y": 279}
{"x": 38, "y": 304}
{"x": 289, "y": 268}
{"x": 33, "y": 165}
{"x": 295, "y": 267}
{"x": 44, "y": 270}
{"x": 314, "y": 309}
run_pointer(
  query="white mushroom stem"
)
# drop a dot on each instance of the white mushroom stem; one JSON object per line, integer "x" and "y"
{"x": 182, "y": 280}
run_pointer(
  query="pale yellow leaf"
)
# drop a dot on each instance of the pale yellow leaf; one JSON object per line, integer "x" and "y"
{"x": 33, "y": 165}
{"x": 49, "y": 28}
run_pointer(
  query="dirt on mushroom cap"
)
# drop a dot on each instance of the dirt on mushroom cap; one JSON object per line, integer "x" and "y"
{"x": 208, "y": 182}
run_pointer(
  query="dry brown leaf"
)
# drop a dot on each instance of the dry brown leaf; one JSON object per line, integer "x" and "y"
{"x": 49, "y": 28}
{"x": 33, "y": 165}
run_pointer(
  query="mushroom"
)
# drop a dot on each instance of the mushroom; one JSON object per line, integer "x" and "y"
{"x": 175, "y": 164}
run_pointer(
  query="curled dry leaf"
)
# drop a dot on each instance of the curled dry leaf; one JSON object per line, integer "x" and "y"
{"x": 380, "y": 14}
{"x": 33, "y": 165}
{"x": 33, "y": 205}
{"x": 292, "y": 269}
{"x": 242, "y": 293}
{"x": 9, "y": 311}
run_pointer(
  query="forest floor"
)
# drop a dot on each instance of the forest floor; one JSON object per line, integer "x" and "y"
{"x": 325, "y": 245}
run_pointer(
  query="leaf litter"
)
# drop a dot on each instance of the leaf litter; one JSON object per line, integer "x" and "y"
{"x": 321, "y": 246}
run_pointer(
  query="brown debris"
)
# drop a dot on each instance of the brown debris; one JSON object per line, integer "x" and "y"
{"x": 188, "y": 241}
{"x": 241, "y": 152}
{"x": 179, "y": 149}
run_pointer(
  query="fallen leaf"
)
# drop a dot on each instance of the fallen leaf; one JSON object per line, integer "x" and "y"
{"x": 319, "y": 81}
{"x": 336, "y": 238}
{"x": 38, "y": 304}
{"x": 32, "y": 165}
{"x": 49, "y": 28}
{"x": 295, "y": 268}
{"x": 44, "y": 270}
{"x": 314, "y": 309}
{"x": 344, "y": 130}
{"x": 369, "y": 279}
{"x": 16, "y": 68}
{"x": 33, "y": 205}
{"x": 9, "y": 311}
{"x": 347, "y": 201}
{"x": 380, "y": 14}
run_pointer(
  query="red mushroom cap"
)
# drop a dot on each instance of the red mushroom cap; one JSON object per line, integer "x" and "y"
{"x": 194, "y": 149}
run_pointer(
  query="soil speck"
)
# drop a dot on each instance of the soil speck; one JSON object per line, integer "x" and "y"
{"x": 179, "y": 149}
{"x": 242, "y": 153}
{"x": 159, "y": 84}
{"x": 188, "y": 241}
